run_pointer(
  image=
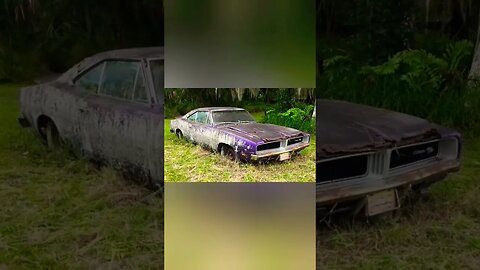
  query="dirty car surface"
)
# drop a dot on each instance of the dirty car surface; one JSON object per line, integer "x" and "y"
{"x": 369, "y": 158}
{"x": 234, "y": 133}
{"x": 108, "y": 107}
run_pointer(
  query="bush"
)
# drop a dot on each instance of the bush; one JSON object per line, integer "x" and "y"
{"x": 297, "y": 118}
{"x": 412, "y": 81}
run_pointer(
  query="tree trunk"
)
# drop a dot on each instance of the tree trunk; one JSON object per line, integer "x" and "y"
{"x": 475, "y": 68}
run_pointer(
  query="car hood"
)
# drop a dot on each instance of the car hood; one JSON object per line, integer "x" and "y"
{"x": 347, "y": 128}
{"x": 258, "y": 132}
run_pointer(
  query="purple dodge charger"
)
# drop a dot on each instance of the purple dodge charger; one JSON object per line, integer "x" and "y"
{"x": 234, "y": 134}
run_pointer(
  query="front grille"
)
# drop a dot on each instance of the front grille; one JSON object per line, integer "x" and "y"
{"x": 294, "y": 141}
{"x": 342, "y": 168}
{"x": 412, "y": 154}
{"x": 268, "y": 146}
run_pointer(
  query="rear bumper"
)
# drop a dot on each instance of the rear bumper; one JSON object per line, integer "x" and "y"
{"x": 24, "y": 122}
{"x": 273, "y": 154}
{"x": 350, "y": 189}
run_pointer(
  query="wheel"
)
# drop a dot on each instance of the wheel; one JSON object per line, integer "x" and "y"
{"x": 179, "y": 134}
{"x": 228, "y": 152}
{"x": 51, "y": 136}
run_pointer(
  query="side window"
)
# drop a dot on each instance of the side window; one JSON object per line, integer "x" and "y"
{"x": 91, "y": 79}
{"x": 192, "y": 117}
{"x": 119, "y": 79}
{"x": 140, "y": 93}
{"x": 202, "y": 117}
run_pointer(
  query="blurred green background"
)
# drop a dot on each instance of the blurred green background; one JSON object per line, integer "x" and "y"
{"x": 241, "y": 226}
{"x": 220, "y": 43}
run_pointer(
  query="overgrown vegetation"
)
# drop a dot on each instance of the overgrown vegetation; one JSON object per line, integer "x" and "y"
{"x": 59, "y": 212}
{"x": 38, "y": 37}
{"x": 180, "y": 101}
{"x": 298, "y": 118}
{"x": 412, "y": 57}
{"x": 412, "y": 81}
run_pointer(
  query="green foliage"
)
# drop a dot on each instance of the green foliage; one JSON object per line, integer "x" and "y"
{"x": 411, "y": 81}
{"x": 370, "y": 31}
{"x": 59, "y": 33}
{"x": 180, "y": 101}
{"x": 298, "y": 118}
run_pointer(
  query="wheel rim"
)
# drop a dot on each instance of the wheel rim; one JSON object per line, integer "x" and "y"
{"x": 179, "y": 134}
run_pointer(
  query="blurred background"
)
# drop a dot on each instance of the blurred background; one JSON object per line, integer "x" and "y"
{"x": 239, "y": 226}
{"x": 219, "y": 43}
{"x": 38, "y": 37}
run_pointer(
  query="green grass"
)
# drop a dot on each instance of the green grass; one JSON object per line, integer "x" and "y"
{"x": 440, "y": 231}
{"x": 59, "y": 212}
{"x": 185, "y": 162}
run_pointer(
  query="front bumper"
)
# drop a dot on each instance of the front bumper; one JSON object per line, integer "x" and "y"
{"x": 276, "y": 153}
{"x": 351, "y": 189}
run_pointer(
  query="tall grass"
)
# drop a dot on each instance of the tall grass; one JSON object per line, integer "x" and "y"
{"x": 414, "y": 82}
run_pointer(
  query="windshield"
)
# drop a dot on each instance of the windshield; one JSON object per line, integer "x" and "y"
{"x": 231, "y": 116}
{"x": 156, "y": 67}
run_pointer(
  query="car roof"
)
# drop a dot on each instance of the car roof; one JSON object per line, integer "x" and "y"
{"x": 125, "y": 54}
{"x": 214, "y": 109}
{"x": 132, "y": 53}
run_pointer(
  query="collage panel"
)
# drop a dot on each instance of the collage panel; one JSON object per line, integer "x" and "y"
{"x": 397, "y": 135}
{"x": 248, "y": 44}
{"x": 239, "y": 135}
{"x": 210, "y": 226}
{"x": 81, "y": 135}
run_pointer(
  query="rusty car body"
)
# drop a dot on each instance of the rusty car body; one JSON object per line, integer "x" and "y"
{"x": 108, "y": 107}
{"x": 234, "y": 133}
{"x": 369, "y": 158}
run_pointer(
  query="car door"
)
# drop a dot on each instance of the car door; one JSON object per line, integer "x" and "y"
{"x": 125, "y": 125}
{"x": 190, "y": 132}
{"x": 203, "y": 126}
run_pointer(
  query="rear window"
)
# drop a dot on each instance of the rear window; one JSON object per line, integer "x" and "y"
{"x": 232, "y": 116}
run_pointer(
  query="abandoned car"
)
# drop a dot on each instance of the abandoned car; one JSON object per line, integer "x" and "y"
{"x": 108, "y": 107}
{"x": 368, "y": 159}
{"x": 234, "y": 134}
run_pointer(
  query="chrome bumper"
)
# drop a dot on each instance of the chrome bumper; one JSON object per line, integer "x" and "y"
{"x": 279, "y": 152}
{"x": 352, "y": 189}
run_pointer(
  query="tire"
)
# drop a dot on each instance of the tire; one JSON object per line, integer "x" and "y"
{"x": 51, "y": 136}
{"x": 179, "y": 134}
{"x": 228, "y": 152}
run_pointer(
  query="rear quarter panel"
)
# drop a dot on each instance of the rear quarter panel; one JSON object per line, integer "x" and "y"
{"x": 57, "y": 102}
